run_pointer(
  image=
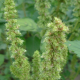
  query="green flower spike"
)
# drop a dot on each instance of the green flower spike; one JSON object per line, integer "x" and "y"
{"x": 20, "y": 67}
{"x": 42, "y": 6}
{"x": 36, "y": 65}
{"x": 55, "y": 54}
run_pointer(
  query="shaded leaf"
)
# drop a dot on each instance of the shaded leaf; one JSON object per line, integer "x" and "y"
{"x": 1, "y": 59}
{"x": 2, "y": 46}
{"x": 32, "y": 44}
{"x": 2, "y": 21}
{"x": 2, "y": 77}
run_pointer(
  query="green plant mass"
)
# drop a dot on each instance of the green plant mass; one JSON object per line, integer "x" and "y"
{"x": 39, "y": 39}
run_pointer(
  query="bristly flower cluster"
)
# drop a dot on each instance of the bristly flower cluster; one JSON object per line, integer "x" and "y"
{"x": 55, "y": 54}
{"x": 20, "y": 67}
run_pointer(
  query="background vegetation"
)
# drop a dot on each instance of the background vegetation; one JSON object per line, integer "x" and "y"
{"x": 68, "y": 11}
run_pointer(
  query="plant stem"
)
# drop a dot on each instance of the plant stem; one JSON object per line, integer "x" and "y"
{"x": 57, "y": 10}
{"x": 24, "y": 9}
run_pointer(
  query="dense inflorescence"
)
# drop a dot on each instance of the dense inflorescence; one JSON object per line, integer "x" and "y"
{"x": 43, "y": 6}
{"x": 36, "y": 66}
{"x": 55, "y": 54}
{"x": 20, "y": 67}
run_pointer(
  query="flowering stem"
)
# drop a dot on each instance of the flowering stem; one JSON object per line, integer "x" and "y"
{"x": 24, "y": 10}
{"x": 20, "y": 67}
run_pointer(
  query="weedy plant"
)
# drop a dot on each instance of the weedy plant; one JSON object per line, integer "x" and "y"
{"x": 55, "y": 53}
{"x": 49, "y": 65}
{"x": 20, "y": 67}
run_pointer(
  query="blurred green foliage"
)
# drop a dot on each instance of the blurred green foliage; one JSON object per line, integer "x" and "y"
{"x": 27, "y": 18}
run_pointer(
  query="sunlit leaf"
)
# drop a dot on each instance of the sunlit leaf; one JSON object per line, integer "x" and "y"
{"x": 74, "y": 46}
{"x": 27, "y": 24}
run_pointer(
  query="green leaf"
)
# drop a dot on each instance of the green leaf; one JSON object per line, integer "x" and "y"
{"x": 29, "y": 1}
{"x": 0, "y": 33}
{"x": 1, "y": 59}
{"x": 2, "y": 46}
{"x": 74, "y": 46}
{"x": 72, "y": 20}
{"x": 32, "y": 44}
{"x": 0, "y": 15}
{"x": 2, "y": 25}
{"x": 2, "y": 21}
{"x": 27, "y": 24}
{"x": 20, "y": 1}
{"x": 43, "y": 44}
{"x": 2, "y": 77}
